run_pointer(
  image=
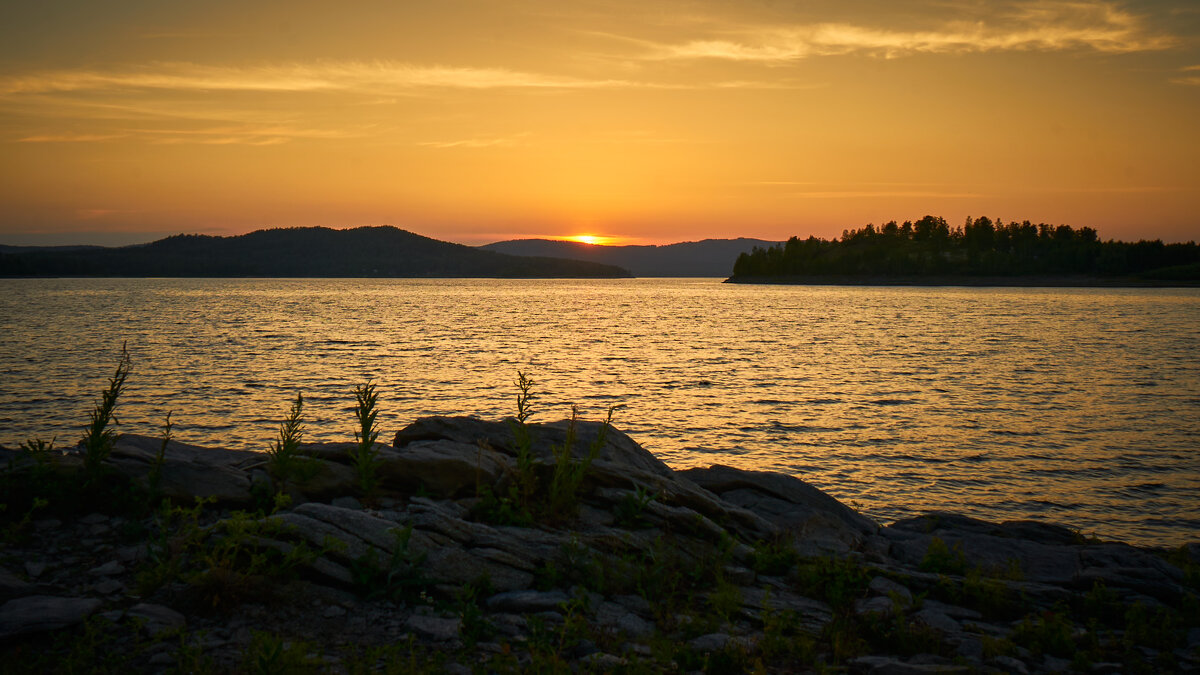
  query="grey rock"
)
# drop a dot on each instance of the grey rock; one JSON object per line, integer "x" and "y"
{"x": 1011, "y": 665}
{"x": 38, "y": 613}
{"x": 936, "y": 620}
{"x": 188, "y": 470}
{"x": 12, "y": 586}
{"x": 889, "y": 588}
{"x": 346, "y": 503}
{"x": 614, "y": 616}
{"x": 712, "y": 642}
{"x": 110, "y": 568}
{"x": 953, "y": 611}
{"x": 434, "y": 628}
{"x": 878, "y": 604}
{"x": 94, "y": 519}
{"x": 886, "y": 665}
{"x": 527, "y": 601}
{"x": 158, "y": 619}
{"x": 109, "y": 587}
{"x": 333, "y": 611}
{"x": 786, "y": 501}
{"x": 445, "y": 468}
{"x": 1053, "y": 664}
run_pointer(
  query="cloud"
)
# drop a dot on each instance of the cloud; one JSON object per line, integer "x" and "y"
{"x": 1029, "y": 26}
{"x": 345, "y": 76}
{"x": 500, "y": 142}
{"x": 1190, "y": 78}
{"x": 70, "y": 138}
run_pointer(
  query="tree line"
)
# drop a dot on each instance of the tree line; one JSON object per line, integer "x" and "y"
{"x": 979, "y": 247}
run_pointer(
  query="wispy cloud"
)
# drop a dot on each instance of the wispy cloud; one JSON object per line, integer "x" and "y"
{"x": 1031, "y": 26}
{"x": 363, "y": 77}
{"x": 1190, "y": 76}
{"x": 469, "y": 143}
{"x": 71, "y": 138}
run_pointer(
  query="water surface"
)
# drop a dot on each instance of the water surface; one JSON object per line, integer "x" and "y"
{"x": 1077, "y": 406}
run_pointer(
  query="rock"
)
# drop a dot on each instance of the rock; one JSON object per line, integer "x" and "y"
{"x": 527, "y": 601}
{"x": 434, "y": 628}
{"x": 110, "y": 568}
{"x": 12, "y": 586}
{"x": 614, "y": 616}
{"x": 937, "y": 621}
{"x": 158, "y": 619}
{"x": 878, "y": 604}
{"x": 346, "y": 503}
{"x": 188, "y": 471}
{"x": 820, "y": 523}
{"x": 885, "y": 665}
{"x": 1011, "y": 665}
{"x": 953, "y": 611}
{"x": 443, "y": 468}
{"x": 109, "y": 587}
{"x": 891, "y": 589}
{"x": 94, "y": 519}
{"x": 712, "y": 642}
{"x": 39, "y": 613}
{"x": 34, "y": 568}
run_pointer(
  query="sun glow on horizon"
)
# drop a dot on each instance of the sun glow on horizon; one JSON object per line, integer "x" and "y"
{"x": 593, "y": 239}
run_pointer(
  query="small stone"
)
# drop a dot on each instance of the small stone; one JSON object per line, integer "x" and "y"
{"x": 94, "y": 519}
{"x": 99, "y": 529}
{"x": 1053, "y": 664}
{"x": 435, "y": 628}
{"x": 333, "y": 611}
{"x": 47, "y": 523}
{"x": 34, "y": 568}
{"x": 525, "y": 602}
{"x": 738, "y": 575}
{"x": 12, "y": 586}
{"x": 128, "y": 554}
{"x": 162, "y": 659}
{"x": 108, "y": 569}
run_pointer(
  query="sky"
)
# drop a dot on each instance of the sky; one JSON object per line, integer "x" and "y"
{"x": 633, "y": 121}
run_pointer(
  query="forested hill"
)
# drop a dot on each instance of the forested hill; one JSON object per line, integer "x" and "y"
{"x": 707, "y": 258}
{"x": 981, "y": 247}
{"x": 295, "y": 252}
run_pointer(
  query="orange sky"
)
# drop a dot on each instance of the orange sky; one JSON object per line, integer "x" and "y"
{"x": 475, "y": 121}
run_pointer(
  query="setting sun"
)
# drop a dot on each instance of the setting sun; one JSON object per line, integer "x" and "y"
{"x": 590, "y": 239}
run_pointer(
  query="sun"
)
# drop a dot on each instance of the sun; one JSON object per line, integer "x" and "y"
{"x": 592, "y": 239}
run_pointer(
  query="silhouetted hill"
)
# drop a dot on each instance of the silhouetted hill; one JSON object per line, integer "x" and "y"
{"x": 707, "y": 258}
{"x": 295, "y": 252}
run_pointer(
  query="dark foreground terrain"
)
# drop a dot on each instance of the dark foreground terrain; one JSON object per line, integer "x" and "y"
{"x": 473, "y": 546}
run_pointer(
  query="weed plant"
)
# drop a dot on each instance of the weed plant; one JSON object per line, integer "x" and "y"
{"x": 283, "y": 458}
{"x": 364, "y": 456}
{"x": 154, "y": 480}
{"x": 99, "y": 438}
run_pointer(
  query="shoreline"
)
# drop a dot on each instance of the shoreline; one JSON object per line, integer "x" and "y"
{"x": 448, "y": 564}
{"x": 963, "y": 281}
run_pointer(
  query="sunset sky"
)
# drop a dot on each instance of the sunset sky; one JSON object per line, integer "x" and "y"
{"x": 648, "y": 122}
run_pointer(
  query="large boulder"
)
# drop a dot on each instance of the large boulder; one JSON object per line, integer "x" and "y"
{"x": 188, "y": 471}
{"x": 817, "y": 522}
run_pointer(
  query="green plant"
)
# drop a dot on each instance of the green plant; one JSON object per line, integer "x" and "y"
{"x": 99, "y": 438}
{"x": 155, "y": 478}
{"x": 364, "y": 456}
{"x": 283, "y": 457}
{"x": 1050, "y": 632}
{"x": 944, "y": 559}
{"x": 269, "y": 654}
{"x": 563, "y": 498}
{"x": 632, "y": 506}
{"x": 402, "y": 580}
{"x": 838, "y": 581}
{"x": 773, "y": 558}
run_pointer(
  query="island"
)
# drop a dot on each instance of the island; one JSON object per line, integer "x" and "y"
{"x": 980, "y": 252}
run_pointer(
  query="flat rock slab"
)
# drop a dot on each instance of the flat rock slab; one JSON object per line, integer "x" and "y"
{"x": 39, "y": 613}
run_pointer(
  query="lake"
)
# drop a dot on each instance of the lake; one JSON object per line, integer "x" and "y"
{"x": 1075, "y": 406}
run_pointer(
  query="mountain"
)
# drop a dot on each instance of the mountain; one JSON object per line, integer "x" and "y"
{"x": 707, "y": 258}
{"x": 294, "y": 252}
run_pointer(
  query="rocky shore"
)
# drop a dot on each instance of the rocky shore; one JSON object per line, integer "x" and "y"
{"x": 460, "y": 560}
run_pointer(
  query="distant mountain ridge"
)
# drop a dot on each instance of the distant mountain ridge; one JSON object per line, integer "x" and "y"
{"x": 382, "y": 251}
{"x": 706, "y": 258}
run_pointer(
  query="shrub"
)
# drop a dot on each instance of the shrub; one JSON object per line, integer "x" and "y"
{"x": 99, "y": 439}
{"x": 365, "y": 457}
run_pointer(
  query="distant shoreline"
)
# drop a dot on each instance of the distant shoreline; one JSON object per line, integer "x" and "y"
{"x": 965, "y": 281}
